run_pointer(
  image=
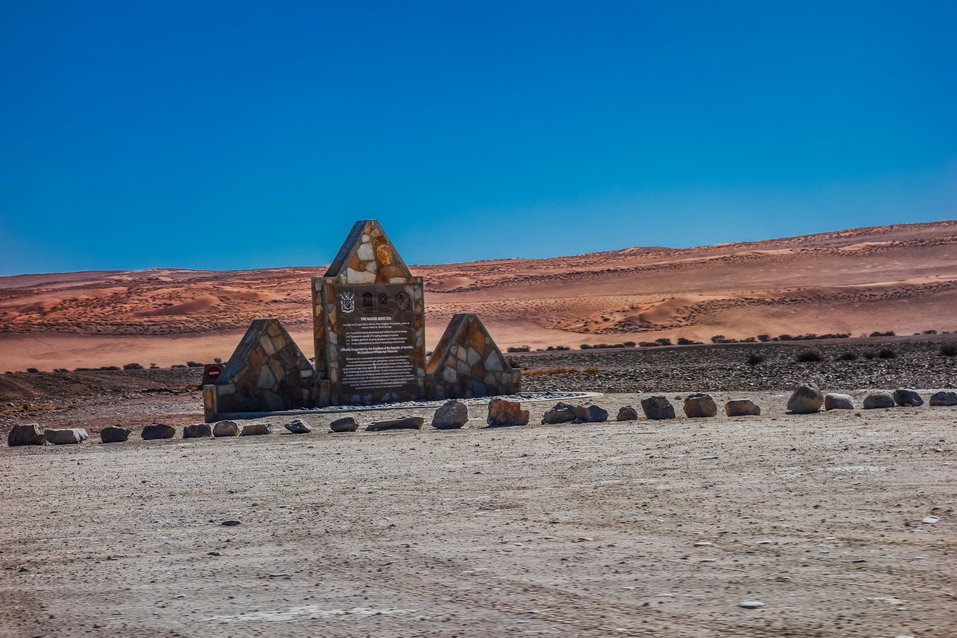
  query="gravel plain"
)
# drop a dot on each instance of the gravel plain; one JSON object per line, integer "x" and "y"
{"x": 596, "y": 529}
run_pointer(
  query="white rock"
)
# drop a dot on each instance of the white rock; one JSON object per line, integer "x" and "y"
{"x": 751, "y": 604}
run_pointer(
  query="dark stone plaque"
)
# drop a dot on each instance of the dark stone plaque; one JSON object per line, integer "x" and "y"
{"x": 376, "y": 341}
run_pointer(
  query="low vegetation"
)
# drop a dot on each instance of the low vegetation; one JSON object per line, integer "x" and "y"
{"x": 810, "y": 356}
{"x": 551, "y": 371}
{"x": 756, "y": 359}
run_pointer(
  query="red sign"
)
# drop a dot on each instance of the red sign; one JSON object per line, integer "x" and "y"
{"x": 213, "y": 372}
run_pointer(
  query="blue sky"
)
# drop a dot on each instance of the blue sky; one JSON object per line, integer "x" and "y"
{"x": 141, "y": 134}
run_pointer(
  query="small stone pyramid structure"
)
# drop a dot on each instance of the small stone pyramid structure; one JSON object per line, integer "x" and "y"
{"x": 467, "y": 363}
{"x": 267, "y": 372}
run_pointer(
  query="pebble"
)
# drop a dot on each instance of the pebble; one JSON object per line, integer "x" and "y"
{"x": 230, "y": 523}
{"x": 751, "y": 604}
{"x": 930, "y": 520}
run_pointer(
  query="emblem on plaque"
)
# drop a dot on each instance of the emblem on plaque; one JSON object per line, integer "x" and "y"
{"x": 383, "y": 299}
{"x": 347, "y": 301}
{"x": 402, "y": 300}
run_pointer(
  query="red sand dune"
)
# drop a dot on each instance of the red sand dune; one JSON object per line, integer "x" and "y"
{"x": 901, "y": 278}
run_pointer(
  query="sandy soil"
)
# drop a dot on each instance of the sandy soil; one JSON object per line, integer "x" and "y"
{"x": 639, "y": 528}
{"x": 901, "y": 278}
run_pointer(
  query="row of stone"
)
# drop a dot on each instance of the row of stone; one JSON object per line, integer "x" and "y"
{"x": 501, "y": 412}
{"x": 655, "y": 408}
{"x": 31, "y": 434}
{"x": 807, "y": 399}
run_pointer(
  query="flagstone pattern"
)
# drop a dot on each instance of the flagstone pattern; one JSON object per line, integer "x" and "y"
{"x": 467, "y": 363}
{"x": 267, "y": 372}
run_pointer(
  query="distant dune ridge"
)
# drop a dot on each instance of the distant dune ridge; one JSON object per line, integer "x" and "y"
{"x": 901, "y": 278}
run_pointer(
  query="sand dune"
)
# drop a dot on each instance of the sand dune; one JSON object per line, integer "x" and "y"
{"x": 901, "y": 278}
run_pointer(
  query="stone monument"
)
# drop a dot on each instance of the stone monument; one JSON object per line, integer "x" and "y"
{"x": 369, "y": 322}
{"x": 369, "y": 332}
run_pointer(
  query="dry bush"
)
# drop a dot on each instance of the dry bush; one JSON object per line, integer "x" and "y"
{"x": 810, "y": 356}
{"x": 551, "y": 371}
{"x": 949, "y": 350}
{"x": 755, "y": 359}
{"x": 848, "y": 356}
{"x": 887, "y": 353}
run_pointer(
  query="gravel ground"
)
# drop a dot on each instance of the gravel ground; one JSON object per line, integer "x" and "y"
{"x": 637, "y": 528}
{"x": 918, "y": 363}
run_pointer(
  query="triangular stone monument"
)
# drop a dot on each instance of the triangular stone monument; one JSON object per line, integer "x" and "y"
{"x": 369, "y": 329}
{"x": 467, "y": 363}
{"x": 267, "y": 372}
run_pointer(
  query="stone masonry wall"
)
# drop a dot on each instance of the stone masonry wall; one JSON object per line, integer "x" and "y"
{"x": 267, "y": 372}
{"x": 467, "y": 363}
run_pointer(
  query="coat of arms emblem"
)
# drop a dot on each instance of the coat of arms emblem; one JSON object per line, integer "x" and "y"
{"x": 347, "y": 301}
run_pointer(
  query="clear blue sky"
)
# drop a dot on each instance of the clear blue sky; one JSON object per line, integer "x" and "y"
{"x": 203, "y": 134}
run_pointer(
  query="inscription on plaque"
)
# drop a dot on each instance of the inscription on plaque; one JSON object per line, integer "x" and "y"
{"x": 376, "y": 339}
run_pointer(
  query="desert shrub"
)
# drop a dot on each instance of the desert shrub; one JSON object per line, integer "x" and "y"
{"x": 847, "y": 356}
{"x": 649, "y": 344}
{"x": 132, "y": 366}
{"x": 763, "y": 338}
{"x": 551, "y": 371}
{"x": 519, "y": 349}
{"x": 755, "y": 359}
{"x": 718, "y": 339}
{"x": 887, "y": 353}
{"x": 663, "y": 341}
{"x": 749, "y": 340}
{"x": 870, "y": 355}
{"x": 177, "y": 365}
{"x": 889, "y": 333}
{"x": 585, "y": 346}
{"x": 153, "y": 366}
{"x": 32, "y": 370}
{"x": 629, "y": 344}
{"x": 949, "y": 350}
{"x": 684, "y": 341}
{"x": 217, "y": 360}
{"x": 108, "y": 368}
{"x": 810, "y": 356}
{"x": 785, "y": 337}
{"x": 193, "y": 364}
{"x": 60, "y": 370}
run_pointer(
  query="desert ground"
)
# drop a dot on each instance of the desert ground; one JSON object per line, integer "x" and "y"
{"x": 899, "y": 278}
{"x": 596, "y": 529}
{"x": 837, "y": 523}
